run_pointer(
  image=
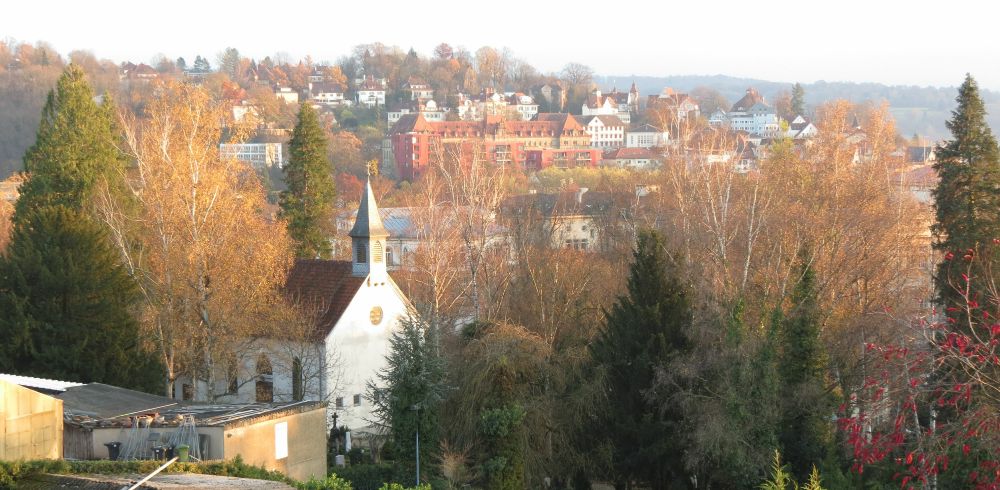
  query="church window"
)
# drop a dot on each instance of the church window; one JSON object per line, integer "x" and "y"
{"x": 357, "y": 400}
{"x": 232, "y": 374}
{"x": 298, "y": 380}
{"x": 339, "y": 402}
{"x": 362, "y": 254}
{"x": 265, "y": 380}
{"x": 377, "y": 252}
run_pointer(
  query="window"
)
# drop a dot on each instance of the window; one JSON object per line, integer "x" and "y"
{"x": 388, "y": 256}
{"x": 377, "y": 252}
{"x": 265, "y": 380}
{"x": 357, "y": 400}
{"x": 298, "y": 380}
{"x": 232, "y": 373}
{"x": 339, "y": 402}
{"x": 362, "y": 254}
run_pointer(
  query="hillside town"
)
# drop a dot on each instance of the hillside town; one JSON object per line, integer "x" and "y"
{"x": 454, "y": 271}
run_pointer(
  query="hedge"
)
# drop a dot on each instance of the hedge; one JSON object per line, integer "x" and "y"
{"x": 12, "y": 472}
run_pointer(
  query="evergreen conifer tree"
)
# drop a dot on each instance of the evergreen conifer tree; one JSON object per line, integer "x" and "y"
{"x": 75, "y": 150}
{"x": 798, "y": 100}
{"x": 308, "y": 203}
{"x": 68, "y": 304}
{"x": 410, "y": 389}
{"x": 643, "y": 331}
{"x": 805, "y": 430}
{"x": 967, "y": 197}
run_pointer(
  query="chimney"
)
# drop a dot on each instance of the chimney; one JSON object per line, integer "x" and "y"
{"x": 579, "y": 195}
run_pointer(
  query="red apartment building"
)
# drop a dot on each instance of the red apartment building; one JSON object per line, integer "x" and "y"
{"x": 550, "y": 139}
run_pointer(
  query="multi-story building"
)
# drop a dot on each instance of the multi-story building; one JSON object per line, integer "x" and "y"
{"x": 550, "y": 140}
{"x": 676, "y": 109}
{"x": 605, "y": 131}
{"x": 611, "y": 104}
{"x": 371, "y": 91}
{"x": 287, "y": 94}
{"x": 647, "y": 136}
{"x": 260, "y": 156}
{"x": 522, "y": 105}
{"x": 632, "y": 158}
{"x": 325, "y": 93}
{"x": 751, "y": 114}
{"x": 428, "y": 108}
{"x": 418, "y": 89}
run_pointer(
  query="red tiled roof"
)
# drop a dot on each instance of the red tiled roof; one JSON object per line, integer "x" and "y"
{"x": 749, "y": 100}
{"x": 544, "y": 125}
{"x": 326, "y": 285}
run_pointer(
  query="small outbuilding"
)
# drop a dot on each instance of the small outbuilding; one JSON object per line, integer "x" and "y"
{"x": 103, "y": 421}
{"x": 31, "y": 423}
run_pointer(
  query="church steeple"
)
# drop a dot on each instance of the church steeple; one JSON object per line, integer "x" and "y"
{"x": 368, "y": 239}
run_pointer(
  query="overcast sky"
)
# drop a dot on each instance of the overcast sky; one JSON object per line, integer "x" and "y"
{"x": 912, "y": 42}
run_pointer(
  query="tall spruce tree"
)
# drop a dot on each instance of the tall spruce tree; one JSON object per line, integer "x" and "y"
{"x": 798, "y": 100}
{"x": 407, "y": 394}
{"x": 967, "y": 197}
{"x": 644, "y": 330}
{"x": 307, "y": 205}
{"x": 805, "y": 431}
{"x": 68, "y": 303}
{"x": 75, "y": 150}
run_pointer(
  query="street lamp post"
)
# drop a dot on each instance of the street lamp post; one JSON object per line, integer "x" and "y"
{"x": 417, "y": 409}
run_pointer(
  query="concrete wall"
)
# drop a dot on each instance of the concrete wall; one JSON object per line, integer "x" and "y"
{"x": 306, "y": 443}
{"x": 31, "y": 424}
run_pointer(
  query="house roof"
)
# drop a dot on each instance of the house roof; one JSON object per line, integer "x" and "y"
{"x": 328, "y": 286}
{"x": 570, "y": 203}
{"x": 103, "y": 401}
{"x": 606, "y": 120}
{"x": 43, "y": 385}
{"x": 325, "y": 88}
{"x": 646, "y": 128}
{"x": 628, "y": 153}
{"x": 596, "y": 100}
{"x": 101, "y": 405}
{"x": 749, "y": 100}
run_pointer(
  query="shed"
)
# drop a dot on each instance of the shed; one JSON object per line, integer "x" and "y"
{"x": 287, "y": 437}
{"x": 31, "y": 423}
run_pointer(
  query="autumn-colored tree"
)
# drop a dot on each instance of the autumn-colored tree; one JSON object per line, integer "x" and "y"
{"x": 207, "y": 259}
{"x": 308, "y": 203}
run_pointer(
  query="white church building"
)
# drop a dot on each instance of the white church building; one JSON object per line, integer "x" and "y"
{"x": 355, "y": 306}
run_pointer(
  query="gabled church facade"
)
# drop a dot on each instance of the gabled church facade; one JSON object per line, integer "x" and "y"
{"x": 354, "y": 307}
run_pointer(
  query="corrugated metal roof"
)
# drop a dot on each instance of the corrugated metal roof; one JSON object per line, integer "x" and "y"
{"x": 44, "y": 384}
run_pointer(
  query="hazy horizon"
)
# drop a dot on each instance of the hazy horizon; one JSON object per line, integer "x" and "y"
{"x": 781, "y": 42}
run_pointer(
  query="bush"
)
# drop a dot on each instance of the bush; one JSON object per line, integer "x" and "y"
{"x": 332, "y": 482}
{"x": 372, "y": 476}
{"x": 396, "y": 486}
{"x": 12, "y": 472}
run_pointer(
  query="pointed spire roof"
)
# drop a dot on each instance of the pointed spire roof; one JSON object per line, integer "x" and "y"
{"x": 368, "y": 222}
{"x": 633, "y": 88}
